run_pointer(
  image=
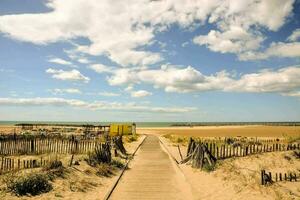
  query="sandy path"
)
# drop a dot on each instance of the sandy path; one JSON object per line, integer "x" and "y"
{"x": 152, "y": 175}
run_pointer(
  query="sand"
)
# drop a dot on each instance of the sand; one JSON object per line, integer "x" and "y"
{"x": 239, "y": 178}
{"x": 225, "y": 131}
{"x": 81, "y": 181}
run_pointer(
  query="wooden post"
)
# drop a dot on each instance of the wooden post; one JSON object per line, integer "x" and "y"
{"x": 280, "y": 176}
{"x": 180, "y": 152}
{"x": 263, "y": 177}
{"x": 71, "y": 161}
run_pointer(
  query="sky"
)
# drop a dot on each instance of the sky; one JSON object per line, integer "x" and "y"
{"x": 165, "y": 60}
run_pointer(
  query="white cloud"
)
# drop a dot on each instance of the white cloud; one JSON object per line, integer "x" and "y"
{"x": 96, "y": 105}
{"x": 140, "y": 93}
{"x": 178, "y": 79}
{"x": 292, "y": 94}
{"x": 122, "y": 76}
{"x": 294, "y": 36}
{"x": 72, "y": 75}
{"x": 120, "y": 29}
{"x": 67, "y": 90}
{"x": 83, "y": 60}
{"x": 109, "y": 94}
{"x": 240, "y": 23}
{"x": 279, "y": 49}
{"x": 235, "y": 40}
{"x": 99, "y": 68}
{"x": 281, "y": 80}
{"x": 59, "y": 61}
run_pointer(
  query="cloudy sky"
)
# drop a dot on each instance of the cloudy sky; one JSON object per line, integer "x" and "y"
{"x": 168, "y": 60}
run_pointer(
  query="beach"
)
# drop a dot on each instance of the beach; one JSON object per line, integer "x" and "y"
{"x": 225, "y": 131}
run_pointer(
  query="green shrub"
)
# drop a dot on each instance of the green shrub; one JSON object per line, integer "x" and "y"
{"x": 208, "y": 168}
{"x": 33, "y": 184}
{"x": 117, "y": 163}
{"x": 101, "y": 154}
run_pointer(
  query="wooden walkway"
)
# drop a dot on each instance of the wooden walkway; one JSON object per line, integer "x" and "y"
{"x": 152, "y": 175}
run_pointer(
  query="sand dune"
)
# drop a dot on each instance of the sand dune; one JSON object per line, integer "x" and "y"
{"x": 226, "y": 131}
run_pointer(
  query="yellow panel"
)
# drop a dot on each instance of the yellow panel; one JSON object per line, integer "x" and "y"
{"x": 120, "y": 129}
{"x": 127, "y": 130}
{"x": 114, "y": 130}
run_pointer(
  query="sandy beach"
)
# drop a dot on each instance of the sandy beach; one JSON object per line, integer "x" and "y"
{"x": 225, "y": 131}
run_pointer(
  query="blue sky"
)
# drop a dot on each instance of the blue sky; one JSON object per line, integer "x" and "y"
{"x": 93, "y": 60}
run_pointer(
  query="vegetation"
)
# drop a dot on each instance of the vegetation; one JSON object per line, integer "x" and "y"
{"x": 177, "y": 139}
{"x": 100, "y": 155}
{"x": 131, "y": 138}
{"x": 104, "y": 169}
{"x": 208, "y": 168}
{"x": 32, "y": 184}
{"x": 117, "y": 163}
{"x": 55, "y": 169}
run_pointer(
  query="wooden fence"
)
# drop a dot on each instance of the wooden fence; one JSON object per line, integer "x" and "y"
{"x": 228, "y": 151}
{"x": 46, "y": 145}
{"x": 11, "y": 164}
{"x": 267, "y": 178}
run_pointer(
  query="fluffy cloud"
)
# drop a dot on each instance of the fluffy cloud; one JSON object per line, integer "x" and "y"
{"x": 67, "y": 90}
{"x": 83, "y": 60}
{"x": 140, "y": 93}
{"x": 234, "y": 40}
{"x": 109, "y": 94}
{"x": 72, "y": 75}
{"x": 97, "y": 105}
{"x": 239, "y": 24}
{"x": 121, "y": 29}
{"x": 176, "y": 79}
{"x": 280, "y": 49}
{"x": 59, "y": 61}
{"x": 294, "y": 36}
{"x": 99, "y": 68}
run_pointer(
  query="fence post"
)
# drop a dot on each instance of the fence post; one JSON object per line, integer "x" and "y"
{"x": 263, "y": 177}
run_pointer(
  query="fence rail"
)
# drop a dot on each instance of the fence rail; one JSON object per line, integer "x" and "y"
{"x": 227, "y": 151}
{"x": 267, "y": 178}
{"x": 12, "y": 164}
{"x": 46, "y": 145}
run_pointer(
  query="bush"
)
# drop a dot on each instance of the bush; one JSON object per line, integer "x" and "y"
{"x": 55, "y": 169}
{"x": 104, "y": 170}
{"x": 54, "y": 164}
{"x": 101, "y": 154}
{"x": 208, "y": 168}
{"x": 33, "y": 184}
{"x": 132, "y": 138}
{"x": 117, "y": 164}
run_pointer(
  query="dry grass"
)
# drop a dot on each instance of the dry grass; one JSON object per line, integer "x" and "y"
{"x": 183, "y": 140}
{"x": 130, "y": 138}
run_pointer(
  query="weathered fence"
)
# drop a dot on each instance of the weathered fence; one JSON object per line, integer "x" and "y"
{"x": 223, "y": 151}
{"x": 12, "y": 164}
{"x": 267, "y": 178}
{"x": 46, "y": 145}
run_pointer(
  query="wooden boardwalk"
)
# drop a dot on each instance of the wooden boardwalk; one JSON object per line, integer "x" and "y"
{"x": 152, "y": 175}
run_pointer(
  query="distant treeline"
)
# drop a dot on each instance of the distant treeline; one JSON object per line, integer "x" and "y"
{"x": 236, "y": 123}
